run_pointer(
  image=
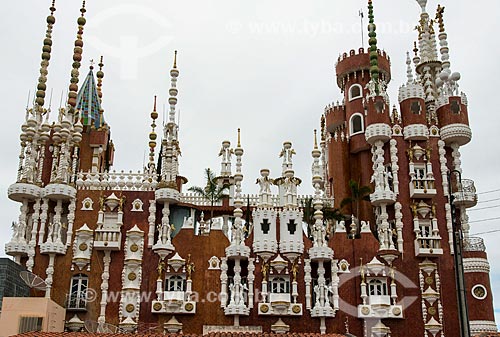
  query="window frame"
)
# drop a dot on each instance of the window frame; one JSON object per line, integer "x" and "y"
{"x": 77, "y": 299}
{"x": 350, "y": 95}
{"x": 351, "y": 124}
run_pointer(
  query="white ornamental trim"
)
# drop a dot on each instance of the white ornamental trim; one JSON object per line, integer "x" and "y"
{"x": 482, "y": 326}
{"x": 456, "y": 133}
{"x": 476, "y": 265}
{"x": 416, "y": 132}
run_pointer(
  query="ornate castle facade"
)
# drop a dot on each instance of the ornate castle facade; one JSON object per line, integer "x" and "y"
{"x": 137, "y": 251}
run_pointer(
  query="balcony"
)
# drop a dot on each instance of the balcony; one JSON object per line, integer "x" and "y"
{"x": 466, "y": 195}
{"x": 422, "y": 188}
{"x": 21, "y": 191}
{"x": 380, "y": 310}
{"x": 174, "y": 302}
{"x": 108, "y": 239}
{"x": 474, "y": 244}
{"x": 428, "y": 246}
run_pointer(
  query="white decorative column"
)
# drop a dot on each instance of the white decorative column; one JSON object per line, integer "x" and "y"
{"x": 71, "y": 221}
{"x": 50, "y": 272}
{"x": 151, "y": 221}
{"x": 308, "y": 280}
{"x": 444, "y": 178}
{"x": 399, "y": 225}
{"x": 104, "y": 286}
{"x": 394, "y": 165}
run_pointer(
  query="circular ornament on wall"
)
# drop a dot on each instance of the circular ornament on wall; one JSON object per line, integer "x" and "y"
{"x": 479, "y": 292}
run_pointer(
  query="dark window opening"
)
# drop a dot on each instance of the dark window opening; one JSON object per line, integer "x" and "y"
{"x": 357, "y": 124}
{"x": 416, "y": 108}
{"x": 265, "y": 226}
{"x": 455, "y": 107}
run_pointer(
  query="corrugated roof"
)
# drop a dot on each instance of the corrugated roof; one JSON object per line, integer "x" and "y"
{"x": 213, "y": 334}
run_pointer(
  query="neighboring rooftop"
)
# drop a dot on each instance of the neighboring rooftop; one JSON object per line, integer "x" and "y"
{"x": 221, "y": 334}
{"x": 11, "y": 285}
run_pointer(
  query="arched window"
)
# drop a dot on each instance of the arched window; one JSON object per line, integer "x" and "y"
{"x": 280, "y": 286}
{"x": 377, "y": 287}
{"x": 355, "y": 92}
{"x": 356, "y": 124}
{"x": 175, "y": 283}
{"x": 78, "y": 292}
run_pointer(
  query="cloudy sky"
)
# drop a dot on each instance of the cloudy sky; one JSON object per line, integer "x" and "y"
{"x": 264, "y": 66}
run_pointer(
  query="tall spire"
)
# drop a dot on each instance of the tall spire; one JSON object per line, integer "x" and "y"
{"x": 446, "y": 80}
{"x": 174, "y": 73}
{"x": 46, "y": 50}
{"x": 170, "y": 150}
{"x": 77, "y": 58}
{"x": 88, "y": 103}
{"x": 374, "y": 69}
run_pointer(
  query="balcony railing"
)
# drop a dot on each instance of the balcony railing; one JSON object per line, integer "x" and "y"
{"x": 422, "y": 188}
{"x": 465, "y": 194}
{"x": 474, "y": 244}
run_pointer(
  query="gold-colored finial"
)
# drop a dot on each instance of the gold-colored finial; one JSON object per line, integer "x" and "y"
{"x": 315, "y": 139}
{"x": 175, "y": 59}
{"x": 415, "y": 48}
{"x": 101, "y": 64}
{"x": 154, "y": 108}
{"x": 439, "y": 18}
{"x": 239, "y": 137}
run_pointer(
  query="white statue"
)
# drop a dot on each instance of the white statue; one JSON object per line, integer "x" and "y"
{"x": 264, "y": 184}
{"x": 287, "y": 153}
{"x": 319, "y": 233}
{"x": 226, "y": 153}
{"x": 57, "y": 232}
{"x": 317, "y": 293}
{"x": 241, "y": 294}
{"x": 387, "y": 176}
{"x": 237, "y": 232}
{"x": 233, "y": 293}
{"x": 51, "y": 232}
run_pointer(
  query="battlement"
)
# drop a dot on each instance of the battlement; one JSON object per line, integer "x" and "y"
{"x": 334, "y": 115}
{"x": 353, "y": 62}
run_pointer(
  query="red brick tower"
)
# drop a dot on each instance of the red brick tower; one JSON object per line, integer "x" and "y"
{"x": 406, "y": 157}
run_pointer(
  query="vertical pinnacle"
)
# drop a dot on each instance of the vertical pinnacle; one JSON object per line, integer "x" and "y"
{"x": 239, "y": 137}
{"x": 315, "y": 139}
{"x": 175, "y": 59}
{"x": 77, "y": 58}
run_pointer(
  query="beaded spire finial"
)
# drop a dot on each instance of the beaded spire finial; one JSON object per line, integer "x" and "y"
{"x": 315, "y": 139}
{"x": 100, "y": 76}
{"x": 152, "y": 138}
{"x": 374, "y": 69}
{"x": 175, "y": 59}
{"x": 44, "y": 65}
{"x": 77, "y": 58}
{"x": 239, "y": 137}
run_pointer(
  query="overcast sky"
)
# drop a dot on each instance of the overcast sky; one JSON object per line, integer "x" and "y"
{"x": 266, "y": 66}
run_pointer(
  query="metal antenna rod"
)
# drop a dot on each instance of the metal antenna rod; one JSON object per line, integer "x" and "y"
{"x": 362, "y": 15}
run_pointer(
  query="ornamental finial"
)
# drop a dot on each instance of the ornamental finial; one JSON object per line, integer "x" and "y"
{"x": 175, "y": 59}
{"x": 440, "y": 18}
{"x": 239, "y": 137}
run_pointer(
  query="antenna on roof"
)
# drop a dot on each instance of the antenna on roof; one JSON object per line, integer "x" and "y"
{"x": 33, "y": 281}
{"x": 362, "y": 16}
{"x": 100, "y": 327}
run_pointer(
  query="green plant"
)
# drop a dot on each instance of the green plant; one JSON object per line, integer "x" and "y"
{"x": 213, "y": 191}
